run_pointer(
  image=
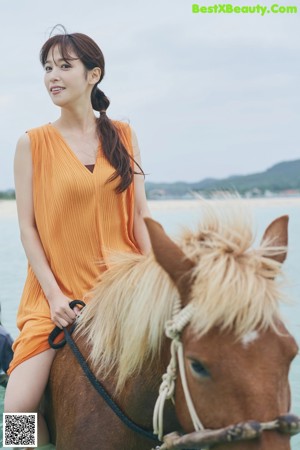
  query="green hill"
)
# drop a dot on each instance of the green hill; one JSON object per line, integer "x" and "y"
{"x": 280, "y": 177}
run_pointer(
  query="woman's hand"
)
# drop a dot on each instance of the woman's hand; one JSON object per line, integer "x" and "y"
{"x": 61, "y": 313}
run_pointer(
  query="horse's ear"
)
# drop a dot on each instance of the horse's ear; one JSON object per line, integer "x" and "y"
{"x": 277, "y": 235}
{"x": 169, "y": 256}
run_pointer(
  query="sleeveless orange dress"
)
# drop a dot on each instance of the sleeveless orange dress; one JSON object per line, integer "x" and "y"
{"x": 79, "y": 218}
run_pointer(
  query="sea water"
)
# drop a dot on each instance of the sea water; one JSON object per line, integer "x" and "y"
{"x": 173, "y": 215}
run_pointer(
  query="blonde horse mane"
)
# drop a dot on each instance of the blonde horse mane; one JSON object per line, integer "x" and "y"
{"x": 234, "y": 287}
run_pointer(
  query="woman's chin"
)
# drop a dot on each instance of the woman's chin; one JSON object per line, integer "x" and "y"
{"x": 59, "y": 102}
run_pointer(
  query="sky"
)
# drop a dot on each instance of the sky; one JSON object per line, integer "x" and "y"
{"x": 208, "y": 95}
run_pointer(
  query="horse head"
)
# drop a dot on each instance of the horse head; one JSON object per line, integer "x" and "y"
{"x": 236, "y": 351}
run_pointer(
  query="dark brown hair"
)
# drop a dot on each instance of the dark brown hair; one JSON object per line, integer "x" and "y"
{"x": 91, "y": 56}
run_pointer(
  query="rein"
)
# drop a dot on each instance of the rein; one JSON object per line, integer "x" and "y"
{"x": 93, "y": 380}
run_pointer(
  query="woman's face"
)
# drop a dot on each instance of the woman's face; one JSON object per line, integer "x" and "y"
{"x": 66, "y": 81}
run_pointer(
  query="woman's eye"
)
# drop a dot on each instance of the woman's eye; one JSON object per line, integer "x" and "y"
{"x": 47, "y": 69}
{"x": 65, "y": 66}
{"x": 199, "y": 369}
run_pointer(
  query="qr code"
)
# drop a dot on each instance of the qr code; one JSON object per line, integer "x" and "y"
{"x": 20, "y": 430}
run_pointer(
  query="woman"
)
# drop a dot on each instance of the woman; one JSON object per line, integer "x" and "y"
{"x": 80, "y": 194}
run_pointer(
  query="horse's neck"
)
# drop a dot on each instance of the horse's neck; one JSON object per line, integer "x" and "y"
{"x": 141, "y": 392}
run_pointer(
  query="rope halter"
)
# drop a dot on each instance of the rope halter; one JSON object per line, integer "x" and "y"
{"x": 173, "y": 330}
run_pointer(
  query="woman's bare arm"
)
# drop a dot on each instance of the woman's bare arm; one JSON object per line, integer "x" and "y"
{"x": 60, "y": 310}
{"x": 141, "y": 209}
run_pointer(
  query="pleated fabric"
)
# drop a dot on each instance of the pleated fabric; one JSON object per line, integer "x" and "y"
{"x": 80, "y": 219}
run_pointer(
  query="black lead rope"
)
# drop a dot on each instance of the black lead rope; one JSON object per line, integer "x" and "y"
{"x": 91, "y": 377}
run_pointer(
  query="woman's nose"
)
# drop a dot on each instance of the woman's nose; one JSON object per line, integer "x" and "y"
{"x": 54, "y": 76}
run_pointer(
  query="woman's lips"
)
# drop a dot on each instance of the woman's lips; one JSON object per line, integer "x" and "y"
{"x": 56, "y": 90}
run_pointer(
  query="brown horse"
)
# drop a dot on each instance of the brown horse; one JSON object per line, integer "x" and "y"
{"x": 236, "y": 350}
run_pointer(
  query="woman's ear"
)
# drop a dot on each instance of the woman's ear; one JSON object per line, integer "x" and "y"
{"x": 94, "y": 75}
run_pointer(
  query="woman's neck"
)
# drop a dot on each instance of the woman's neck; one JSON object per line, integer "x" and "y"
{"x": 81, "y": 121}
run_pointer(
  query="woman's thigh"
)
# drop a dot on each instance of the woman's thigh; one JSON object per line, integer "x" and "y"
{"x": 27, "y": 383}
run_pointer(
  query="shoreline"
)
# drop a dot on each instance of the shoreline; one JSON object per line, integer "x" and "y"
{"x": 8, "y": 208}
{"x": 196, "y": 203}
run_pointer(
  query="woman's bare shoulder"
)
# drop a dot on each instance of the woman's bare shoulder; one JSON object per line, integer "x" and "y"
{"x": 23, "y": 145}
{"x": 23, "y": 151}
{"x": 24, "y": 140}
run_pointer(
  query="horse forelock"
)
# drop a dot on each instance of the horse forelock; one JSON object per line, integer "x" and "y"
{"x": 233, "y": 286}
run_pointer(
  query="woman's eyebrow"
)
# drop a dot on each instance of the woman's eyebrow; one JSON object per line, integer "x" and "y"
{"x": 60, "y": 59}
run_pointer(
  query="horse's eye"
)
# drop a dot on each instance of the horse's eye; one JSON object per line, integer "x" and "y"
{"x": 199, "y": 369}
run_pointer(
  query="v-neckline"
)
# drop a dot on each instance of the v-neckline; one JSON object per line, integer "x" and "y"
{"x": 70, "y": 151}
